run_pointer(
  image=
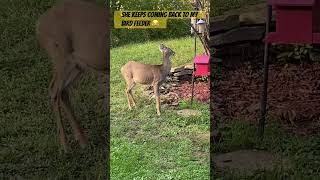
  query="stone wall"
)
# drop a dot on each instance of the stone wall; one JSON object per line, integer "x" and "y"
{"x": 237, "y": 34}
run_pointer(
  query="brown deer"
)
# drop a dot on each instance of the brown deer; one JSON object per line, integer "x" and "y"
{"x": 75, "y": 35}
{"x": 134, "y": 72}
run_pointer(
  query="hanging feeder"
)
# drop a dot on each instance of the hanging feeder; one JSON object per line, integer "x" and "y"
{"x": 201, "y": 26}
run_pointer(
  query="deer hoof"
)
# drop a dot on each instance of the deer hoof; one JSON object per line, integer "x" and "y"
{"x": 83, "y": 145}
{"x": 65, "y": 149}
{"x": 83, "y": 142}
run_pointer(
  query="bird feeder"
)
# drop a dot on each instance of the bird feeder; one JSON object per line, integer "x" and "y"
{"x": 202, "y": 67}
{"x": 297, "y": 21}
{"x": 201, "y": 26}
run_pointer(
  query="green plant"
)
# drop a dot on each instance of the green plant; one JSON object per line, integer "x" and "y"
{"x": 297, "y": 53}
{"x": 183, "y": 104}
{"x": 203, "y": 78}
{"x": 300, "y": 52}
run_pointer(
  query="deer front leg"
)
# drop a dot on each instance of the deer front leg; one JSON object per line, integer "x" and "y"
{"x": 157, "y": 95}
{"x": 158, "y": 105}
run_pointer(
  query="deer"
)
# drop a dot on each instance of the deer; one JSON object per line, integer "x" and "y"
{"x": 146, "y": 74}
{"x": 75, "y": 36}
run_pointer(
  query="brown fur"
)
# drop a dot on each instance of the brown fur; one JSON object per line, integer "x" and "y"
{"x": 135, "y": 72}
{"x": 74, "y": 34}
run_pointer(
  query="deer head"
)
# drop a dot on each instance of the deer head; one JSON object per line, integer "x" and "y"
{"x": 167, "y": 52}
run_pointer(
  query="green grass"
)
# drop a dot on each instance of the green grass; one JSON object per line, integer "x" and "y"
{"x": 144, "y": 145}
{"x": 28, "y": 139}
{"x": 302, "y": 152}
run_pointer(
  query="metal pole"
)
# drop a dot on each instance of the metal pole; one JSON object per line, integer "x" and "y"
{"x": 195, "y": 53}
{"x": 264, "y": 93}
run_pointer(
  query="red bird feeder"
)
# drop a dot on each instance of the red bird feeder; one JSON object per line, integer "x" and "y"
{"x": 202, "y": 65}
{"x": 201, "y": 68}
{"x": 297, "y": 21}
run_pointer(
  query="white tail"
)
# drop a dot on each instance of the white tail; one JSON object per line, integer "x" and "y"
{"x": 74, "y": 34}
{"x": 134, "y": 72}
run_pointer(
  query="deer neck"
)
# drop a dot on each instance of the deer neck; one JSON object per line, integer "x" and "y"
{"x": 166, "y": 66}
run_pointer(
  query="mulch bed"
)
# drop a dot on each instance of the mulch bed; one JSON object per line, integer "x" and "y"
{"x": 201, "y": 91}
{"x": 293, "y": 95}
{"x": 183, "y": 91}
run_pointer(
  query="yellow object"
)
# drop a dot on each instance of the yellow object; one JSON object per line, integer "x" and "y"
{"x": 151, "y": 19}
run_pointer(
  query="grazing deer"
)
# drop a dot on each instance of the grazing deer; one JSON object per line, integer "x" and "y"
{"x": 134, "y": 72}
{"x": 74, "y": 34}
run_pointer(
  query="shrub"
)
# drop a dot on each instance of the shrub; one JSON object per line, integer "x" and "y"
{"x": 176, "y": 28}
{"x": 297, "y": 53}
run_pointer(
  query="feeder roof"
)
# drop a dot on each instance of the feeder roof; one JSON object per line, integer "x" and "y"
{"x": 201, "y": 22}
{"x": 202, "y": 59}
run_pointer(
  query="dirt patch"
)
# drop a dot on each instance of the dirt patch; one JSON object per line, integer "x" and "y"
{"x": 248, "y": 161}
{"x": 188, "y": 112}
{"x": 203, "y": 137}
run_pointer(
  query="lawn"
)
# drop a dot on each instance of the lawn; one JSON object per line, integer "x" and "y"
{"x": 28, "y": 135}
{"x": 302, "y": 152}
{"x": 144, "y": 145}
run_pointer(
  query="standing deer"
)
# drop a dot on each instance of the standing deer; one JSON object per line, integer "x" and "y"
{"x": 134, "y": 72}
{"x": 74, "y": 34}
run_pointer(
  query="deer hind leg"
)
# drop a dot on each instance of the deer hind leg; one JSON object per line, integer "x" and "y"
{"x": 55, "y": 93}
{"x": 66, "y": 73}
{"x": 130, "y": 85}
{"x": 127, "y": 94}
{"x": 77, "y": 130}
{"x": 157, "y": 95}
{"x": 57, "y": 47}
{"x": 55, "y": 90}
{"x": 130, "y": 93}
